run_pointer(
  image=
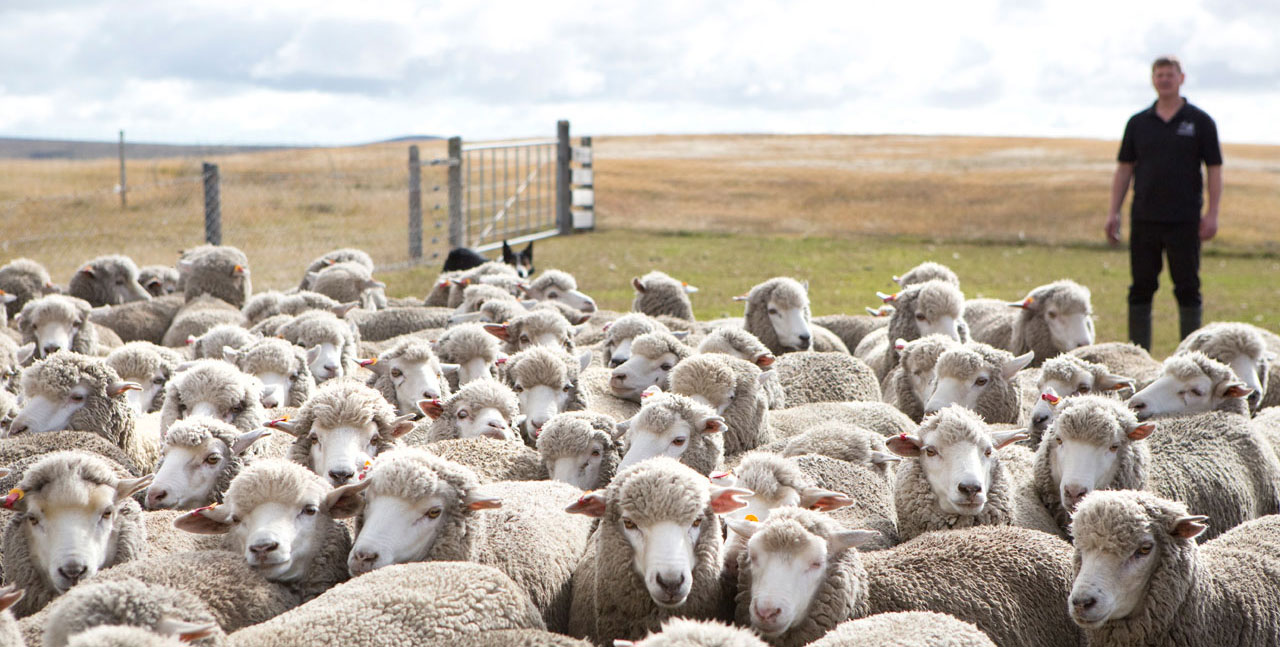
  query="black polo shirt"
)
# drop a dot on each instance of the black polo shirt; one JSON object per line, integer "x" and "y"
{"x": 1167, "y": 186}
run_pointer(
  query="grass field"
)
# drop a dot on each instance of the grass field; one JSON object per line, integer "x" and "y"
{"x": 722, "y": 212}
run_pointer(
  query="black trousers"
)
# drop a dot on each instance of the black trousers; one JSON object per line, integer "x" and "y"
{"x": 1180, "y": 242}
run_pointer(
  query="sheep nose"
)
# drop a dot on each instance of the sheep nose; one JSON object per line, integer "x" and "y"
{"x": 1083, "y": 602}
{"x": 804, "y": 339}
{"x": 73, "y": 571}
{"x": 49, "y": 349}
{"x": 1039, "y": 419}
{"x": 615, "y": 362}
{"x": 18, "y": 428}
{"x": 331, "y": 368}
{"x": 1074, "y": 494}
{"x": 969, "y": 489}
{"x": 364, "y": 559}
{"x": 1137, "y": 405}
{"x": 672, "y": 587}
{"x": 619, "y": 378}
{"x": 590, "y": 306}
{"x": 1082, "y": 343}
{"x": 263, "y": 548}
{"x": 156, "y": 497}
{"x": 340, "y": 476}
{"x": 768, "y": 613}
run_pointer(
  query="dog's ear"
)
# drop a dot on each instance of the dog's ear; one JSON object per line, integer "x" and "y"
{"x": 508, "y": 256}
{"x": 528, "y": 253}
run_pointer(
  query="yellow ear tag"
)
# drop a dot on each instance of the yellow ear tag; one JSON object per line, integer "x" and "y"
{"x": 752, "y": 517}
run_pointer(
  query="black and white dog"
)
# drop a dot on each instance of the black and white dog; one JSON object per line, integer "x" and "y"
{"x": 463, "y": 258}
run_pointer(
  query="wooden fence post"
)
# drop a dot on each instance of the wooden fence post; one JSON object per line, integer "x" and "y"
{"x": 212, "y": 205}
{"x": 124, "y": 186}
{"x": 564, "y": 194}
{"x": 456, "y": 231}
{"x": 415, "y": 205}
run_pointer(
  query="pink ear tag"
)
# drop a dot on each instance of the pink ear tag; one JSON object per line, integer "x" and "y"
{"x": 15, "y": 495}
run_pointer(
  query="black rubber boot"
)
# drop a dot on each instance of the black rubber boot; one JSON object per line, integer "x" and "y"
{"x": 1189, "y": 319}
{"x": 1140, "y": 325}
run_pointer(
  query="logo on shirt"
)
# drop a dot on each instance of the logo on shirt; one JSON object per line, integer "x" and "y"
{"x": 1187, "y": 129}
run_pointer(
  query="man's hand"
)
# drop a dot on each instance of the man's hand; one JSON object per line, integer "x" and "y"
{"x": 1113, "y": 229}
{"x": 1208, "y": 227}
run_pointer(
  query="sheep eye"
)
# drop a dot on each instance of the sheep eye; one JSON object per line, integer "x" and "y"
{"x": 1058, "y": 440}
{"x": 697, "y": 522}
{"x": 595, "y": 453}
{"x": 235, "y": 519}
{"x": 1082, "y": 389}
{"x": 182, "y": 408}
{"x": 665, "y": 367}
{"x": 107, "y": 513}
{"x": 773, "y": 312}
{"x": 679, "y": 442}
{"x": 567, "y": 388}
{"x": 982, "y": 381}
{"x": 518, "y": 389}
{"x": 34, "y": 521}
{"x": 462, "y": 414}
{"x": 1197, "y": 392}
{"x": 77, "y": 397}
{"x": 434, "y": 513}
{"x": 293, "y": 377}
{"x": 920, "y": 316}
{"x": 1144, "y": 549}
{"x": 212, "y": 459}
{"x": 313, "y": 438}
{"x": 987, "y": 452}
{"x": 309, "y": 510}
{"x": 158, "y": 380}
{"x": 628, "y": 524}
{"x": 237, "y": 410}
{"x": 1053, "y": 315}
{"x": 930, "y": 452}
{"x": 395, "y": 372}
{"x": 1115, "y": 447}
{"x": 553, "y": 295}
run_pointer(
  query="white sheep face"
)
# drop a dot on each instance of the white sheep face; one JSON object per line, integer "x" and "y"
{"x": 619, "y": 354}
{"x": 485, "y": 422}
{"x": 572, "y": 298}
{"x": 413, "y": 381}
{"x": 579, "y": 470}
{"x": 476, "y": 368}
{"x": 277, "y": 538}
{"x": 42, "y": 413}
{"x": 791, "y": 325}
{"x": 276, "y": 387}
{"x": 539, "y": 402}
{"x": 396, "y": 530}
{"x": 663, "y": 556}
{"x": 639, "y": 372}
{"x": 1171, "y": 395}
{"x": 1110, "y": 585}
{"x": 964, "y": 391}
{"x": 217, "y": 411}
{"x": 340, "y": 453}
{"x": 760, "y": 506}
{"x": 1044, "y": 411}
{"x": 548, "y": 339}
{"x": 783, "y": 583}
{"x": 944, "y": 324}
{"x": 72, "y": 528}
{"x": 1069, "y": 330}
{"x": 644, "y": 442}
{"x": 54, "y": 335}
{"x": 959, "y": 473}
{"x": 186, "y": 475}
{"x": 1253, "y": 373}
{"x": 325, "y": 361}
{"x": 1079, "y": 467}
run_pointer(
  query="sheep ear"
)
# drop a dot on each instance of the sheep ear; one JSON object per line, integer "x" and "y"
{"x": 342, "y": 309}
{"x": 765, "y": 360}
{"x": 904, "y": 445}
{"x": 766, "y": 377}
{"x": 465, "y": 318}
{"x": 741, "y": 297}
{"x": 897, "y": 279}
{"x": 248, "y": 438}
{"x": 10, "y": 595}
{"x": 880, "y": 458}
{"x": 209, "y": 520}
{"x": 1025, "y": 303}
{"x": 823, "y": 500}
{"x": 119, "y": 387}
{"x": 635, "y": 283}
{"x": 449, "y": 369}
{"x": 584, "y": 360}
{"x": 680, "y": 334}
{"x": 402, "y": 425}
{"x": 606, "y": 327}
{"x": 374, "y": 365}
{"x": 714, "y": 424}
{"x": 1113, "y": 382}
{"x": 4, "y": 471}
{"x": 723, "y": 479}
{"x": 742, "y": 527}
{"x": 239, "y": 270}
{"x": 185, "y": 265}
{"x": 284, "y": 425}
{"x": 620, "y": 428}
{"x": 88, "y": 271}
{"x": 651, "y": 391}
{"x": 591, "y": 504}
{"x": 345, "y": 501}
{"x": 1016, "y": 364}
{"x": 805, "y": 284}
{"x": 529, "y": 304}
{"x": 853, "y": 539}
{"x": 25, "y": 353}
{"x": 311, "y": 277}
{"x": 1142, "y": 431}
{"x": 478, "y": 500}
{"x": 728, "y": 499}
{"x": 432, "y": 408}
{"x": 501, "y": 331}
{"x": 313, "y": 353}
{"x": 1236, "y": 390}
{"x": 230, "y": 354}
{"x": 373, "y": 283}
{"x": 5, "y": 297}
{"x": 185, "y": 631}
{"x": 688, "y": 289}
{"x": 1190, "y": 526}
{"x": 899, "y": 344}
{"x": 887, "y": 298}
{"x": 126, "y": 488}
{"x": 1002, "y": 439}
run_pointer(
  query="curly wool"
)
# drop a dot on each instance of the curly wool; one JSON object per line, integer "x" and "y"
{"x": 492, "y": 461}
{"x": 851, "y": 329}
{"x": 343, "y": 255}
{"x": 217, "y": 382}
{"x": 610, "y": 600}
{"x": 405, "y": 604}
{"x": 315, "y": 328}
{"x": 17, "y": 452}
{"x": 917, "y": 357}
{"x": 108, "y": 416}
{"x": 927, "y": 271}
{"x": 126, "y": 636}
{"x": 745, "y": 346}
{"x": 346, "y": 282}
{"x": 542, "y": 366}
{"x": 479, "y": 394}
{"x": 463, "y": 343}
{"x": 1122, "y": 358}
{"x": 1001, "y": 400}
{"x": 56, "y": 307}
{"x": 785, "y": 293}
{"x": 99, "y": 288}
{"x": 343, "y": 402}
{"x": 681, "y": 632}
{"x": 198, "y": 431}
{"x": 141, "y": 362}
{"x": 1195, "y": 595}
{"x": 25, "y": 279}
{"x": 388, "y": 323}
{"x": 210, "y": 344}
{"x": 198, "y": 316}
{"x": 129, "y": 603}
{"x": 876, "y": 416}
{"x": 476, "y": 295}
{"x": 10, "y": 634}
{"x": 851, "y": 444}
{"x": 409, "y": 350}
{"x": 662, "y": 295}
{"x": 721, "y": 379}
{"x": 934, "y": 299}
{"x": 211, "y": 270}
{"x": 841, "y": 596}
{"x": 140, "y": 320}
{"x": 549, "y": 279}
{"x": 273, "y": 355}
{"x": 574, "y": 433}
{"x": 906, "y": 629}
{"x": 535, "y": 324}
{"x": 61, "y": 473}
{"x": 807, "y": 377}
{"x": 1224, "y": 341}
{"x": 704, "y": 452}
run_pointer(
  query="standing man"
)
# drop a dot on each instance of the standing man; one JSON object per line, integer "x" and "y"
{"x": 1162, "y": 150}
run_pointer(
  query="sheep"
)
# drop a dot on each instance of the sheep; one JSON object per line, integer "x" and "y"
{"x": 197, "y": 317}
{"x": 221, "y": 272}
{"x": 347, "y": 282}
{"x": 107, "y": 280}
{"x": 954, "y": 477}
{"x": 344, "y": 255}
{"x": 546, "y": 383}
{"x": 655, "y": 553}
{"x": 492, "y": 311}
{"x": 555, "y": 285}
{"x": 270, "y": 327}
{"x": 653, "y": 356}
{"x": 406, "y": 604}
{"x": 909, "y": 384}
{"x": 852, "y": 329}
{"x": 389, "y": 323}
{"x": 407, "y": 373}
{"x": 131, "y": 603}
{"x": 618, "y": 336}
{"x": 878, "y": 417}
{"x": 1122, "y": 358}
{"x": 213, "y": 343}
{"x": 535, "y": 328}
{"x": 678, "y": 427}
{"x": 78, "y": 393}
{"x": 777, "y": 313}
{"x": 1210, "y": 461}
{"x": 1190, "y": 383}
{"x": 480, "y": 408}
{"x": 849, "y": 443}
{"x": 330, "y": 342}
{"x": 19, "y": 451}
{"x": 473, "y": 350}
{"x": 158, "y": 280}
{"x": 476, "y": 295}
{"x": 201, "y": 457}
{"x": 166, "y": 635}
{"x": 1240, "y": 346}
{"x": 929, "y": 308}
{"x": 659, "y": 294}
{"x": 213, "y": 388}
{"x": 799, "y": 576}
{"x": 739, "y": 343}
{"x": 24, "y": 279}
{"x": 581, "y": 448}
{"x": 280, "y": 366}
{"x": 1139, "y": 577}
{"x": 283, "y": 520}
{"x": 808, "y": 377}
{"x": 600, "y": 398}
{"x": 927, "y": 271}
{"x": 140, "y": 320}
{"x": 906, "y": 629}
{"x": 75, "y": 518}
{"x": 982, "y": 379}
{"x": 10, "y": 365}
{"x": 150, "y": 367}
{"x": 681, "y": 632}
{"x": 535, "y": 546}
{"x": 1066, "y": 376}
{"x": 264, "y": 305}
{"x": 58, "y": 322}
{"x": 491, "y": 461}
{"x": 1051, "y": 319}
{"x": 733, "y": 388}
{"x": 9, "y": 633}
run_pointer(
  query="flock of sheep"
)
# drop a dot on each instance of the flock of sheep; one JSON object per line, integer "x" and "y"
{"x": 501, "y": 463}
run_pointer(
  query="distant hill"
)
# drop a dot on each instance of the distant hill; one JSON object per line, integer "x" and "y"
{"x": 411, "y": 138}
{"x": 36, "y": 149}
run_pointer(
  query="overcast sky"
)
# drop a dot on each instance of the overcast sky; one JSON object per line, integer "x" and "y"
{"x": 338, "y": 72}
